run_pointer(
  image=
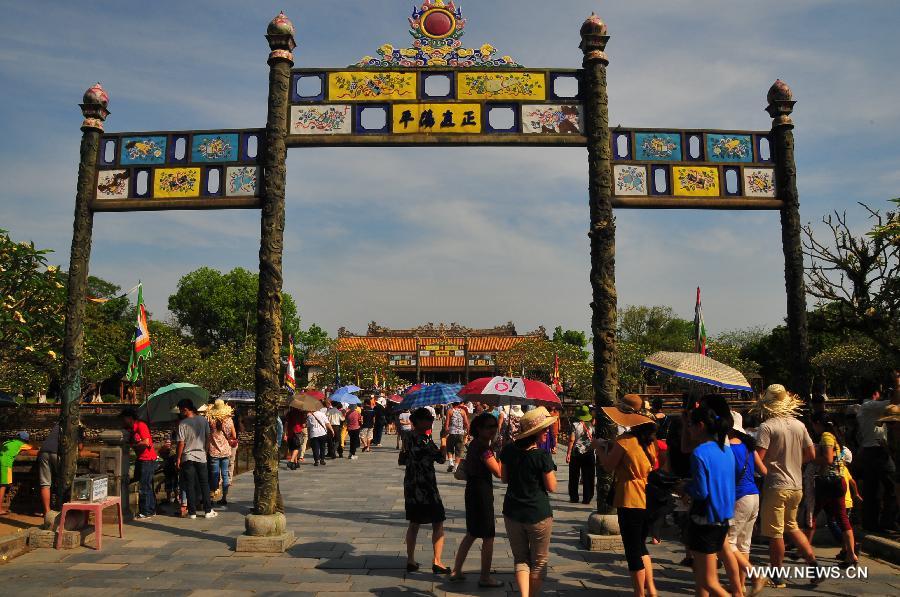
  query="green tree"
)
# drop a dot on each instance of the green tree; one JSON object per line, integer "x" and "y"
{"x": 218, "y": 309}
{"x": 358, "y": 366}
{"x": 537, "y": 357}
{"x": 657, "y": 328}
{"x": 573, "y": 337}
{"x": 175, "y": 358}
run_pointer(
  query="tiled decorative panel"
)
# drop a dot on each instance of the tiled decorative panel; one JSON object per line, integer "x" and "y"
{"x": 321, "y": 120}
{"x": 436, "y": 118}
{"x": 691, "y": 163}
{"x": 195, "y": 166}
{"x": 359, "y": 86}
{"x": 502, "y": 86}
{"x": 552, "y": 119}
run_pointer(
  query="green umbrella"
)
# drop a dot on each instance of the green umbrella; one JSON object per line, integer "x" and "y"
{"x": 158, "y": 407}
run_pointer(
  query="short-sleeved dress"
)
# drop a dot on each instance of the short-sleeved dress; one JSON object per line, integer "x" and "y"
{"x": 480, "y": 521}
{"x": 420, "y": 490}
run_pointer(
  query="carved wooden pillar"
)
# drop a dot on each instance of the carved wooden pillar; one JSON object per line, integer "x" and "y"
{"x": 781, "y": 104}
{"x": 267, "y": 496}
{"x": 602, "y": 230}
{"x": 94, "y": 110}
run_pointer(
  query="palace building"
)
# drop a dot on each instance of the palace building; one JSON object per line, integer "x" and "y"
{"x": 439, "y": 353}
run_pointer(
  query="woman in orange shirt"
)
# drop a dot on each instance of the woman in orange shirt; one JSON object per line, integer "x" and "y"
{"x": 632, "y": 456}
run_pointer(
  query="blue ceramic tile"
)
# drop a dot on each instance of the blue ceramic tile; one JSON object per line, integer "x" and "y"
{"x": 657, "y": 147}
{"x": 143, "y": 150}
{"x": 728, "y": 148}
{"x": 215, "y": 147}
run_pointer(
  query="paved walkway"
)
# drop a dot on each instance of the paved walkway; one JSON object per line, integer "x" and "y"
{"x": 348, "y": 517}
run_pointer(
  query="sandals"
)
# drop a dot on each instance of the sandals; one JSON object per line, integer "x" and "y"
{"x": 457, "y": 577}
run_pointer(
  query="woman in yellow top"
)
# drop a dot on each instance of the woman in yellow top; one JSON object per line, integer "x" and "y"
{"x": 632, "y": 456}
{"x": 831, "y": 484}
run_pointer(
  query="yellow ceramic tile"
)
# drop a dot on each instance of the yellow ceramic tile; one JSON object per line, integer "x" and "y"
{"x": 696, "y": 181}
{"x": 496, "y": 86}
{"x": 176, "y": 182}
{"x": 354, "y": 86}
{"x": 436, "y": 118}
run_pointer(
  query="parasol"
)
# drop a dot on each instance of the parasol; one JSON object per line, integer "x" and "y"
{"x": 503, "y": 391}
{"x": 158, "y": 407}
{"x": 439, "y": 393}
{"x": 698, "y": 367}
{"x": 238, "y": 396}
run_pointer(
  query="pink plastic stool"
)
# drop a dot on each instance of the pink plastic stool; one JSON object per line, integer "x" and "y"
{"x": 95, "y": 507}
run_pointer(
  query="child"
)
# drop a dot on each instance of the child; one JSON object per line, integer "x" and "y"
{"x": 170, "y": 470}
{"x": 420, "y": 491}
{"x": 8, "y": 453}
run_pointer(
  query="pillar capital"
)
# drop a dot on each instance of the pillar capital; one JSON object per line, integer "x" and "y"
{"x": 93, "y": 108}
{"x": 280, "y": 35}
{"x": 780, "y": 103}
{"x": 593, "y": 40}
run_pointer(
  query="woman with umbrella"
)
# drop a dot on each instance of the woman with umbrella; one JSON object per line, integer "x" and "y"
{"x": 222, "y": 439}
{"x": 296, "y": 432}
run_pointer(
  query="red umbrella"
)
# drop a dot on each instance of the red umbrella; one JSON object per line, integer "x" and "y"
{"x": 395, "y": 398}
{"x": 412, "y": 389}
{"x": 509, "y": 390}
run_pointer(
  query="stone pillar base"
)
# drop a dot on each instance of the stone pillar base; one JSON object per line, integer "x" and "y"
{"x": 265, "y": 534}
{"x": 602, "y": 533}
{"x": 44, "y": 538}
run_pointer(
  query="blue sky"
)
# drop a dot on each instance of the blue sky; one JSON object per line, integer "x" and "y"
{"x": 474, "y": 235}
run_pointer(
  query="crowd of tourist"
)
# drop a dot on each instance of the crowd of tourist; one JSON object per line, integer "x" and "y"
{"x": 724, "y": 478}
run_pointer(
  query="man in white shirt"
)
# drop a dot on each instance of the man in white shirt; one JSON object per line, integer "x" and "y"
{"x": 318, "y": 427}
{"x": 879, "y": 509}
{"x": 336, "y": 419}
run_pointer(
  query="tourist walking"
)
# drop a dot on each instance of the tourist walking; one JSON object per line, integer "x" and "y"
{"x": 353, "y": 418}
{"x": 530, "y": 475}
{"x": 404, "y": 430}
{"x": 8, "y": 453}
{"x": 296, "y": 433}
{"x": 222, "y": 438}
{"x": 549, "y": 444}
{"x": 509, "y": 425}
{"x": 48, "y": 465}
{"x": 336, "y": 419}
{"x": 712, "y": 491}
{"x": 145, "y": 461}
{"x": 318, "y": 428}
{"x": 747, "y": 463}
{"x": 783, "y": 445}
{"x": 380, "y": 421}
{"x": 367, "y": 430}
{"x": 580, "y": 456}
{"x": 192, "y": 435}
{"x": 480, "y": 466}
{"x": 631, "y": 457}
{"x": 879, "y": 510}
{"x": 831, "y": 484}
{"x": 456, "y": 426}
{"x": 420, "y": 491}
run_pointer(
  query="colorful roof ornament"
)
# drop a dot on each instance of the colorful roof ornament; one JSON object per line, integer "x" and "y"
{"x": 436, "y": 28}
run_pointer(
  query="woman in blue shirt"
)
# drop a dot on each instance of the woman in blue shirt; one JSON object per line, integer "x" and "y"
{"x": 712, "y": 489}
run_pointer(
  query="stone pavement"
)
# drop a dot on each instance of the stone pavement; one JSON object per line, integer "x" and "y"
{"x": 348, "y": 517}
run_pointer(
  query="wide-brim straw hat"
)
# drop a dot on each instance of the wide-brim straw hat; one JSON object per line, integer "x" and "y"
{"x": 220, "y": 410}
{"x": 533, "y": 422}
{"x": 200, "y": 410}
{"x": 629, "y": 412}
{"x": 891, "y": 414}
{"x": 516, "y": 410}
{"x": 738, "y": 424}
{"x": 777, "y": 402}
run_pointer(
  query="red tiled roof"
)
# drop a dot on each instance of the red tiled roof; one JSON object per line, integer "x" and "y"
{"x": 477, "y": 344}
{"x": 442, "y": 362}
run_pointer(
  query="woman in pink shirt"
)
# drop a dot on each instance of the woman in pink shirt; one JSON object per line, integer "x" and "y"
{"x": 354, "y": 422}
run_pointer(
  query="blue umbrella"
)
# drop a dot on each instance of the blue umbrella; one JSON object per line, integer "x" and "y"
{"x": 439, "y": 393}
{"x": 238, "y": 396}
{"x": 349, "y": 389}
{"x": 345, "y": 398}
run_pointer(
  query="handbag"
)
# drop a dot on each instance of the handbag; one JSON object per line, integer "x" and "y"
{"x": 460, "y": 473}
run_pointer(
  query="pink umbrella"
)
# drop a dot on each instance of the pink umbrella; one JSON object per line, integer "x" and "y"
{"x": 509, "y": 390}
{"x": 412, "y": 389}
{"x": 395, "y": 398}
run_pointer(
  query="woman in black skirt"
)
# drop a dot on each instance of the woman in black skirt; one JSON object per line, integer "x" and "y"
{"x": 420, "y": 491}
{"x": 480, "y": 467}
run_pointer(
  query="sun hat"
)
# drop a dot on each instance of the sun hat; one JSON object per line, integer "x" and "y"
{"x": 23, "y": 435}
{"x": 777, "y": 402}
{"x": 516, "y": 409}
{"x": 533, "y": 422}
{"x": 891, "y": 414}
{"x": 583, "y": 413}
{"x": 220, "y": 410}
{"x": 738, "y": 424}
{"x": 629, "y": 412}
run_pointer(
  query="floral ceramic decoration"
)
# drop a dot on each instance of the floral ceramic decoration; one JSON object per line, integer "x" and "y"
{"x": 729, "y": 148}
{"x": 143, "y": 150}
{"x": 112, "y": 184}
{"x": 320, "y": 120}
{"x": 696, "y": 181}
{"x": 376, "y": 86}
{"x": 176, "y": 182}
{"x": 658, "y": 146}
{"x": 215, "y": 148}
{"x": 630, "y": 180}
{"x": 759, "y": 182}
{"x": 558, "y": 119}
{"x": 436, "y": 28}
{"x": 495, "y": 86}
{"x": 241, "y": 181}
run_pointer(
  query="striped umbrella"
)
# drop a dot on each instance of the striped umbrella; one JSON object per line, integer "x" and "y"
{"x": 238, "y": 396}
{"x": 439, "y": 393}
{"x": 698, "y": 367}
{"x": 505, "y": 391}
